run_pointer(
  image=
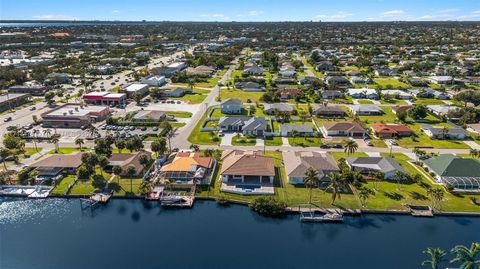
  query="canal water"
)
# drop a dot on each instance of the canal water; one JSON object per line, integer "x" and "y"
{"x": 56, "y": 234}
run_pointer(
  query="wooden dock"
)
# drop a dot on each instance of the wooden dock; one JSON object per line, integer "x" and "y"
{"x": 101, "y": 197}
{"x": 420, "y": 211}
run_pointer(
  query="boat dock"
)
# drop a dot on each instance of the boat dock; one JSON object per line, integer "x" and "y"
{"x": 95, "y": 199}
{"x": 298, "y": 210}
{"x": 420, "y": 211}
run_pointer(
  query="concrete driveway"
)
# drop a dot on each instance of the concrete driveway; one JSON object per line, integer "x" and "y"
{"x": 227, "y": 140}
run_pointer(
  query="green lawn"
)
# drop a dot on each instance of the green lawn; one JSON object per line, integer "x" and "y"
{"x": 82, "y": 187}
{"x": 242, "y": 95}
{"x": 243, "y": 141}
{"x": 305, "y": 142}
{"x": 126, "y": 187}
{"x": 202, "y": 138}
{"x": 31, "y": 151}
{"x": 347, "y": 100}
{"x": 272, "y": 141}
{"x": 179, "y": 114}
{"x": 62, "y": 186}
{"x": 66, "y": 150}
{"x": 393, "y": 102}
{"x": 365, "y": 102}
{"x": 421, "y": 139}
{"x": 309, "y": 66}
{"x": 387, "y": 117}
{"x": 391, "y": 82}
{"x": 378, "y": 143}
{"x": 428, "y": 101}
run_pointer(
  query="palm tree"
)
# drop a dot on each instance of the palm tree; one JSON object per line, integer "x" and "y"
{"x": 436, "y": 256}
{"x": 350, "y": 147}
{"x": 310, "y": 180}
{"x": 144, "y": 161}
{"x": 294, "y": 135}
{"x": 35, "y": 133}
{"x": 336, "y": 184}
{"x": 55, "y": 139}
{"x": 92, "y": 130}
{"x": 474, "y": 153}
{"x": 436, "y": 197}
{"x": 47, "y": 133}
{"x": 120, "y": 144}
{"x": 444, "y": 132}
{"x": 4, "y": 153}
{"x": 194, "y": 147}
{"x": 79, "y": 142}
{"x": 117, "y": 170}
{"x": 364, "y": 194}
{"x": 171, "y": 133}
{"x": 191, "y": 84}
{"x": 130, "y": 173}
{"x": 467, "y": 256}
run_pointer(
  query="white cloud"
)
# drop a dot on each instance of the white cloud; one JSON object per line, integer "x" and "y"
{"x": 393, "y": 13}
{"x": 53, "y": 17}
{"x": 336, "y": 16}
{"x": 115, "y": 11}
{"x": 448, "y": 10}
{"x": 475, "y": 15}
{"x": 215, "y": 15}
{"x": 251, "y": 13}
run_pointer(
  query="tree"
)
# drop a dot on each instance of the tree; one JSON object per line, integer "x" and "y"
{"x": 102, "y": 162}
{"x": 79, "y": 142}
{"x": 47, "y": 133}
{"x": 4, "y": 153}
{"x": 171, "y": 133}
{"x": 364, "y": 194}
{"x": 35, "y": 134}
{"x": 350, "y": 147}
{"x": 399, "y": 176}
{"x": 131, "y": 172}
{"x": 103, "y": 147}
{"x": 194, "y": 147}
{"x": 294, "y": 134}
{"x": 137, "y": 97}
{"x": 310, "y": 180}
{"x": 191, "y": 84}
{"x": 90, "y": 161}
{"x": 120, "y": 144}
{"x": 144, "y": 161}
{"x": 146, "y": 187}
{"x": 444, "y": 132}
{"x": 401, "y": 115}
{"x": 98, "y": 182}
{"x": 336, "y": 184}
{"x": 436, "y": 255}
{"x": 55, "y": 139}
{"x": 117, "y": 170}
{"x": 436, "y": 197}
{"x": 468, "y": 257}
{"x": 159, "y": 146}
{"x": 418, "y": 112}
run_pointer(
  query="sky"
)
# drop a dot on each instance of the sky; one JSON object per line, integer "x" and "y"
{"x": 241, "y": 10}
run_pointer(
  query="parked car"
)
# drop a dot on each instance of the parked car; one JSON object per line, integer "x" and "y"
{"x": 7, "y": 119}
{"x": 324, "y": 146}
{"x": 33, "y": 108}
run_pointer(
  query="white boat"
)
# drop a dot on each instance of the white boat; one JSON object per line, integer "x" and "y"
{"x": 168, "y": 200}
{"x": 312, "y": 217}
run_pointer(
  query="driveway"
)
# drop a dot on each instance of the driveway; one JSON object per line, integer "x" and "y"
{"x": 260, "y": 142}
{"x": 227, "y": 140}
{"x": 472, "y": 144}
{"x": 285, "y": 142}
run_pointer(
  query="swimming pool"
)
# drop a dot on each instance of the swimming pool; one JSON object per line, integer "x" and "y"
{"x": 248, "y": 186}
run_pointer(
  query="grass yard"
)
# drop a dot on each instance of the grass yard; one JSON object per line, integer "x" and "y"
{"x": 393, "y": 102}
{"x": 378, "y": 143}
{"x": 387, "y": 117}
{"x": 364, "y": 102}
{"x": 347, "y": 100}
{"x": 121, "y": 186}
{"x": 428, "y": 101}
{"x": 242, "y": 95}
{"x": 309, "y": 66}
{"x": 273, "y": 141}
{"x": 203, "y": 138}
{"x": 31, "y": 151}
{"x": 391, "y": 83}
{"x": 422, "y": 139}
{"x": 179, "y": 114}
{"x": 62, "y": 186}
{"x": 82, "y": 187}
{"x": 305, "y": 142}
{"x": 67, "y": 150}
{"x": 243, "y": 141}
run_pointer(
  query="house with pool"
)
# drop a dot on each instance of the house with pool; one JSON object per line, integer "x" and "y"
{"x": 186, "y": 168}
{"x": 247, "y": 172}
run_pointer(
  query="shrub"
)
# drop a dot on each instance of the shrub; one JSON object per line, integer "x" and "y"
{"x": 268, "y": 206}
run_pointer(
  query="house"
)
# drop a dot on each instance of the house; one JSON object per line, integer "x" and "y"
{"x": 360, "y": 80}
{"x": 74, "y": 116}
{"x": 429, "y": 93}
{"x": 253, "y": 70}
{"x": 245, "y": 124}
{"x": 343, "y": 129}
{"x": 232, "y": 106}
{"x": 288, "y": 93}
{"x": 272, "y": 109}
{"x": 339, "y": 81}
{"x": 126, "y": 160}
{"x": 105, "y": 98}
{"x": 324, "y": 66}
{"x": 309, "y": 80}
{"x": 385, "y": 72}
{"x": 56, "y": 164}
{"x": 474, "y": 128}
{"x": 250, "y": 167}
{"x": 441, "y": 110}
{"x": 382, "y": 130}
{"x": 12, "y": 100}
{"x": 300, "y": 129}
{"x": 331, "y": 94}
{"x": 366, "y": 110}
{"x": 442, "y": 132}
{"x": 287, "y": 71}
{"x": 328, "y": 111}
{"x": 186, "y": 167}
{"x": 441, "y": 80}
{"x": 149, "y": 116}
{"x": 297, "y": 164}
{"x": 58, "y": 78}
{"x": 177, "y": 92}
{"x": 398, "y": 94}
{"x": 201, "y": 70}
{"x": 365, "y": 165}
{"x": 250, "y": 86}
{"x": 461, "y": 173}
{"x": 363, "y": 93}
{"x": 284, "y": 81}
{"x": 402, "y": 108}
{"x": 134, "y": 88}
{"x": 153, "y": 80}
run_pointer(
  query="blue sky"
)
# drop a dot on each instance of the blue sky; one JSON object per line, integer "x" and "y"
{"x": 241, "y": 10}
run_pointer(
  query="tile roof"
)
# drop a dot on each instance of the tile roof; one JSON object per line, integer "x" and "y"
{"x": 247, "y": 163}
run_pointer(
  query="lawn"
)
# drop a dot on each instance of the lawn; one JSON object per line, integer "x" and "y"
{"x": 242, "y": 95}
{"x": 346, "y": 100}
{"x": 62, "y": 186}
{"x": 422, "y": 139}
{"x": 66, "y": 150}
{"x": 428, "y": 101}
{"x": 364, "y": 102}
{"x": 304, "y": 141}
{"x": 122, "y": 186}
{"x": 272, "y": 141}
{"x": 309, "y": 66}
{"x": 393, "y": 102}
{"x": 82, "y": 187}
{"x": 243, "y": 141}
{"x": 31, "y": 151}
{"x": 391, "y": 83}
{"x": 211, "y": 82}
{"x": 202, "y": 138}
{"x": 387, "y": 117}
{"x": 378, "y": 143}
{"x": 179, "y": 114}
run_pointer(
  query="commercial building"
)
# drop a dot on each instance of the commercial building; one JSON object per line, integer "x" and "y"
{"x": 105, "y": 98}
{"x": 156, "y": 81}
{"x": 74, "y": 116}
{"x": 35, "y": 90}
{"x": 131, "y": 89}
{"x": 12, "y": 100}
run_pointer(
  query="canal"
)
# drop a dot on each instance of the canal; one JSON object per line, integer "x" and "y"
{"x": 56, "y": 234}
